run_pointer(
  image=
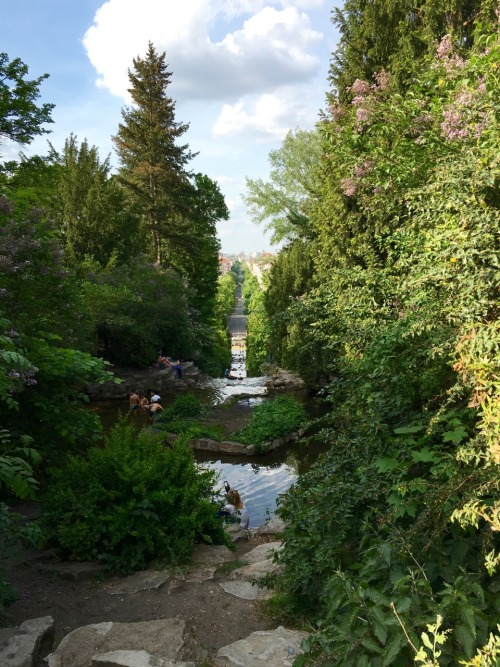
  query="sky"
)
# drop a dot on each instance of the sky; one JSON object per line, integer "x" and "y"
{"x": 244, "y": 73}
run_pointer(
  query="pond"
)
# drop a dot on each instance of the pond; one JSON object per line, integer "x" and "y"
{"x": 259, "y": 479}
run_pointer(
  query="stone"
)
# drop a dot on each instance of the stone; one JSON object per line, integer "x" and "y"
{"x": 245, "y": 590}
{"x": 197, "y": 575}
{"x": 272, "y": 648}
{"x": 229, "y": 447}
{"x": 262, "y": 552}
{"x": 212, "y": 554}
{"x": 255, "y": 571}
{"x": 272, "y": 527}
{"x": 134, "y": 659}
{"x": 25, "y": 645}
{"x": 141, "y": 581}
{"x": 237, "y": 533}
{"x": 167, "y": 641}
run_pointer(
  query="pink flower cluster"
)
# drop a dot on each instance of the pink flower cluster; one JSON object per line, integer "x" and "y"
{"x": 459, "y": 119}
{"x": 449, "y": 60}
{"x": 349, "y": 186}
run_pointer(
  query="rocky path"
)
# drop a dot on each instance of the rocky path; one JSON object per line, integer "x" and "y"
{"x": 209, "y": 614}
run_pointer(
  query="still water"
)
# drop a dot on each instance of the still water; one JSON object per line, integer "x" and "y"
{"x": 259, "y": 479}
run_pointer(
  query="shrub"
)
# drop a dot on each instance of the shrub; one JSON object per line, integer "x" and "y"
{"x": 272, "y": 419}
{"x": 132, "y": 501}
{"x": 183, "y": 407}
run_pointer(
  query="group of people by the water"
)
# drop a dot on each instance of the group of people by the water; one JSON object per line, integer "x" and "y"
{"x": 139, "y": 401}
{"x": 163, "y": 361}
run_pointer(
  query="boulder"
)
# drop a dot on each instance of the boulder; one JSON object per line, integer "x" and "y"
{"x": 272, "y": 648}
{"x": 25, "y": 645}
{"x": 166, "y": 642}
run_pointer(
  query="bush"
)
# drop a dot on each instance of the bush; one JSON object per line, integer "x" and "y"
{"x": 132, "y": 501}
{"x": 183, "y": 407}
{"x": 272, "y": 419}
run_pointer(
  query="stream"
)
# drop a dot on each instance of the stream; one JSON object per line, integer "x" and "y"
{"x": 260, "y": 480}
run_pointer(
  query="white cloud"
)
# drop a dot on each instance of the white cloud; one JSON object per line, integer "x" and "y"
{"x": 270, "y": 118}
{"x": 271, "y": 48}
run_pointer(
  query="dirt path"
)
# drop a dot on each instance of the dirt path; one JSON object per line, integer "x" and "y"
{"x": 217, "y": 618}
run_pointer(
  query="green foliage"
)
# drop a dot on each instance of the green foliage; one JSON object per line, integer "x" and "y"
{"x": 20, "y": 118}
{"x": 182, "y": 417}
{"x": 401, "y": 320}
{"x": 91, "y": 208}
{"x": 14, "y": 531}
{"x": 274, "y": 418}
{"x": 285, "y": 199}
{"x": 121, "y": 300}
{"x": 186, "y": 405}
{"x": 130, "y": 502}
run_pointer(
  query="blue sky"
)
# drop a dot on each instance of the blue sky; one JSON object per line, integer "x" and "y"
{"x": 244, "y": 72}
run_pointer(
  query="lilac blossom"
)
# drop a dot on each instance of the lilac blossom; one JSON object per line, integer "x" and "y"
{"x": 348, "y": 186}
{"x": 363, "y": 116}
{"x": 337, "y": 112}
{"x": 444, "y": 48}
{"x": 359, "y": 87}
{"x": 383, "y": 80}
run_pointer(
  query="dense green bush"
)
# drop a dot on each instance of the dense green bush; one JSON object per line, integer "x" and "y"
{"x": 130, "y": 502}
{"x": 274, "y": 418}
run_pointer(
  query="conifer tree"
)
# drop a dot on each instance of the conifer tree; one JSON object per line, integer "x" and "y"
{"x": 152, "y": 165}
{"x": 396, "y": 34}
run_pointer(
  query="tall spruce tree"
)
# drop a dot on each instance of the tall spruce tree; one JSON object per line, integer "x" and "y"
{"x": 152, "y": 165}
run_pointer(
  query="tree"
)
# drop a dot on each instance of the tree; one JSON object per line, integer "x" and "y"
{"x": 396, "y": 35}
{"x": 200, "y": 261}
{"x": 20, "y": 118}
{"x": 285, "y": 199}
{"x": 91, "y": 207}
{"x": 152, "y": 164}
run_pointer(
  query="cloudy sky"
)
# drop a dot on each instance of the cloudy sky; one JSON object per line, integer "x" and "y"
{"x": 244, "y": 72}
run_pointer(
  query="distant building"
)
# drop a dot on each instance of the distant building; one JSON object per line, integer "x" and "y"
{"x": 260, "y": 265}
{"x": 225, "y": 265}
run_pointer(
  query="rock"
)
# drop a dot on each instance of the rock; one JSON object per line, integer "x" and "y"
{"x": 165, "y": 642}
{"x": 25, "y": 645}
{"x": 262, "y": 552}
{"x": 245, "y": 590}
{"x": 212, "y": 554}
{"x": 272, "y": 527}
{"x": 229, "y": 447}
{"x": 272, "y": 648}
{"x": 142, "y": 379}
{"x": 255, "y": 571}
{"x": 141, "y": 581}
{"x": 134, "y": 659}
{"x": 237, "y": 533}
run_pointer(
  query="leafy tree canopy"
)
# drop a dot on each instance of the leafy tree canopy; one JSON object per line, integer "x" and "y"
{"x": 21, "y": 119}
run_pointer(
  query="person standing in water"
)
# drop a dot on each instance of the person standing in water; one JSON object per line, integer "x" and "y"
{"x": 236, "y": 508}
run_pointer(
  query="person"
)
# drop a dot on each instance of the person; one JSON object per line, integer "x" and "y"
{"x": 134, "y": 402}
{"x": 143, "y": 401}
{"x": 236, "y": 508}
{"x": 153, "y": 411}
{"x": 162, "y": 362}
{"x": 178, "y": 368}
{"x": 155, "y": 398}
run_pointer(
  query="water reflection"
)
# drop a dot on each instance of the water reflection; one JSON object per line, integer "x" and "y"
{"x": 259, "y": 486}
